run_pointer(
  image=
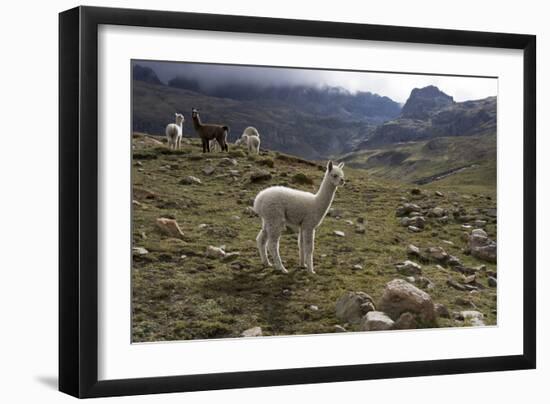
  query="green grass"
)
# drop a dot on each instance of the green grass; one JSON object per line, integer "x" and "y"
{"x": 409, "y": 162}
{"x": 178, "y": 293}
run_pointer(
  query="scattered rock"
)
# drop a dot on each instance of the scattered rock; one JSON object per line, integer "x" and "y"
{"x": 190, "y": 180}
{"x": 482, "y": 247}
{"x": 400, "y": 296}
{"x": 436, "y": 254}
{"x": 169, "y": 227}
{"x": 470, "y": 279}
{"x": 414, "y": 229}
{"x": 361, "y": 220}
{"x": 252, "y": 332}
{"x": 439, "y": 194}
{"x": 406, "y": 321}
{"x": 492, "y": 282}
{"x": 357, "y": 267}
{"x": 416, "y": 191}
{"x": 360, "y": 229}
{"x": 314, "y": 308}
{"x": 480, "y": 223}
{"x": 455, "y": 285}
{"x": 214, "y": 252}
{"x": 139, "y": 251}
{"x": 376, "y": 321}
{"x": 409, "y": 268}
{"x": 479, "y": 233}
{"x": 260, "y": 175}
{"x": 339, "y": 233}
{"x": 413, "y": 250}
{"x": 208, "y": 170}
{"x": 227, "y": 162}
{"x": 441, "y": 310}
{"x": 437, "y": 212}
{"x": 352, "y": 306}
{"x": 454, "y": 261}
{"x": 407, "y": 208}
{"x": 424, "y": 282}
{"x": 339, "y": 328}
{"x": 475, "y": 318}
{"x": 417, "y": 221}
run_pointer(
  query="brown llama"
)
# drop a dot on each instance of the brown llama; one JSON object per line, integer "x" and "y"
{"x": 208, "y": 132}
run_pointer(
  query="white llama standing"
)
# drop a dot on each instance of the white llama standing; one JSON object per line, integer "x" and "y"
{"x": 174, "y": 132}
{"x": 250, "y": 138}
{"x": 279, "y": 206}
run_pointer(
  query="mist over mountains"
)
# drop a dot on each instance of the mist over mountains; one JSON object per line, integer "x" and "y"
{"x": 310, "y": 121}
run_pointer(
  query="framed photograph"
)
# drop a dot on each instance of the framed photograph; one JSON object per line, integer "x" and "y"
{"x": 251, "y": 201}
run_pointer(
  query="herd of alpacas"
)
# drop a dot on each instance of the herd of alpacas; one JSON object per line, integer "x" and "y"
{"x": 277, "y": 206}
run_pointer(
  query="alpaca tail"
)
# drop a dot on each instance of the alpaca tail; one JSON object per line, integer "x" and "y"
{"x": 257, "y": 203}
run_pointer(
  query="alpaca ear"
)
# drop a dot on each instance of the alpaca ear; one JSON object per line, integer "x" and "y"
{"x": 330, "y": 165}
{"x": 341, "y": 165}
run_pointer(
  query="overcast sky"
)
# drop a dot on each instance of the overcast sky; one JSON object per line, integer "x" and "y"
{"x": 396, "y": 86}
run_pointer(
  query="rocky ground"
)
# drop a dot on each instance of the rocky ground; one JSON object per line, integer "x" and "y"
{"x": 388, "y": 255}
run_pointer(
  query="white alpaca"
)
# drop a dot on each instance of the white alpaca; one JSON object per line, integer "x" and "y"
{"x": 280, "y": 206}
{"x": 251, "y": 131}
{"x": 174, "y": 132}
{"x": 251, "y": 139}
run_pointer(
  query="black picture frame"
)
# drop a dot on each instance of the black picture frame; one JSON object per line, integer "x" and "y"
{"x": 78, "y": 201}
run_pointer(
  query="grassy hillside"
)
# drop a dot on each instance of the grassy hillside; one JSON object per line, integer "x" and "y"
{"x": 415, "y": 161}
{"x": 179, "y": 293}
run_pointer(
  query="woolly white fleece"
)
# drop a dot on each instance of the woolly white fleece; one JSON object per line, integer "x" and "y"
{"x": 279, "y": 206}
{"x": 174, "y": 132}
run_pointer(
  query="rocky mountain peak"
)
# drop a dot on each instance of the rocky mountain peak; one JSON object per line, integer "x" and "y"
{"x": 423, "y": 101}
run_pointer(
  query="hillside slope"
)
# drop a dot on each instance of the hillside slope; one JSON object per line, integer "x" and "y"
{"x": 466, "y": 161}
{"x": 296, "y": 123}
{"x": 180, "y": 293}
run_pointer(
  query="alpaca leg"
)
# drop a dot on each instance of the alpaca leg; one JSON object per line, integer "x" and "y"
{"x": 261, "y": 242}
{"x": 309, "y": 241}
{"x": 220, "y": 143}
{"x": 273, "y": 235}
{"x": 301, "y": 248}
{"x": 203, "y": 146}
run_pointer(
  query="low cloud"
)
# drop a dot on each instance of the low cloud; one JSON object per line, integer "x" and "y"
{"x": 396, "y": 86}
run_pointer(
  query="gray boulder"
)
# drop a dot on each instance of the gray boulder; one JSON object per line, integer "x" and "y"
{"x": 352, "y": 306}
{"x": 376, "y": 321}
{"x": 400, "y": 296}
{"x": 408, "y": 268}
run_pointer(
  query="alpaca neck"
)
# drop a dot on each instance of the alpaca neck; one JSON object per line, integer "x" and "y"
{"x": 197, "y": 122}
{"x": 325, "y": 194}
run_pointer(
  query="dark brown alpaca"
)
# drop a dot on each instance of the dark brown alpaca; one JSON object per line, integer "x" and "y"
{"x": 207, "y": 132}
